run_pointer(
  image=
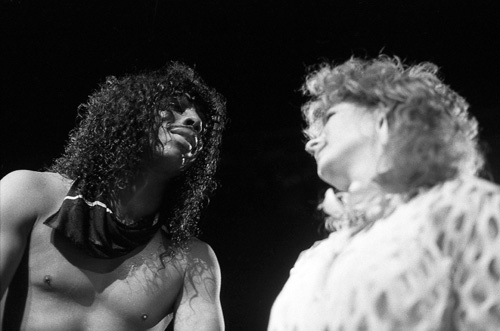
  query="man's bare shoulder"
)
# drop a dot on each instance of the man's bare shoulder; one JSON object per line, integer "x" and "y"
{"x": 194, "y": 257}
{"x": 32, "y": 193}
{"x": 34, "y": 181}
{"x": 190, "y": 252}
{"x": 202, "y": 263}
{"x": 201, "y": 250}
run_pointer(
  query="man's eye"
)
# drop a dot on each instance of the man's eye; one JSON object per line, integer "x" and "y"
{"x": 175, "y": 106}
{"x": 166, "y": 115}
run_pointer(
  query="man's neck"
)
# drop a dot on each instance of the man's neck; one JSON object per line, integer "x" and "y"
{"x": 143, "y": 197}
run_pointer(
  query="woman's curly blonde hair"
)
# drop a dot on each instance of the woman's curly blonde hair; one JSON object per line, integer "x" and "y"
{"x": 432, "y": 138}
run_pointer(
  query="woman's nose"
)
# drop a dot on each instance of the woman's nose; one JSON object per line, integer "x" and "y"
{"x": 190, "y": 117}
{"x": 313, "y": 145}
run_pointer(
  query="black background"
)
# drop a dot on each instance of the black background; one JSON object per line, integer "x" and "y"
{"x": 54, "y": 53}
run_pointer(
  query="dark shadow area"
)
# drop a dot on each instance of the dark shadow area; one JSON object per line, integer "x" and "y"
{"x": 17, "y": 296}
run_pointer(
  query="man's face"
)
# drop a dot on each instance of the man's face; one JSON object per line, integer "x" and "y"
{"x": 180, "y": 133}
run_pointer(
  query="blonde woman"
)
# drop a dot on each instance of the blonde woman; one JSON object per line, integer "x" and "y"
{"x": 414, "y": 238}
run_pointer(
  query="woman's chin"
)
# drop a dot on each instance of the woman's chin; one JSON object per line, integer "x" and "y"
{"x": 339, "y": 182}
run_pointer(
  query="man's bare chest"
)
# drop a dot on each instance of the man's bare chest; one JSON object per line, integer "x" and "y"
{"x": 137, "y": 288}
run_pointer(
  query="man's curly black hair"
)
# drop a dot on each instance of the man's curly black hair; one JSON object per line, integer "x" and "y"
{"x": 118, "y": 130}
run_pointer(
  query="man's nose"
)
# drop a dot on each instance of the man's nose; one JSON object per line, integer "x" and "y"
{"x": 313, "y": 145}
{"x": 189, "y": 117}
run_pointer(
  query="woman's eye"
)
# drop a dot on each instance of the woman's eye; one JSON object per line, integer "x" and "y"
{"x": 328, "y": 116}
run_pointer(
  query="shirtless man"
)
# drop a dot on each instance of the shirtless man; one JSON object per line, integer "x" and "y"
{"x": 104, "y": 240}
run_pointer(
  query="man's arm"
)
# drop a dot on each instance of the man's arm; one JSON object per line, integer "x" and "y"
{"x": 199, "y": 306}
{"x": 18, "y": 212}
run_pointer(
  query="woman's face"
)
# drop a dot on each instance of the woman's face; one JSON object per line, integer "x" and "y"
{"x": 347, "y": 148}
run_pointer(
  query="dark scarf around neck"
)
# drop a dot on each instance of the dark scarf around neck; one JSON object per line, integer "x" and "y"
{"x": 92, "y": 226}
